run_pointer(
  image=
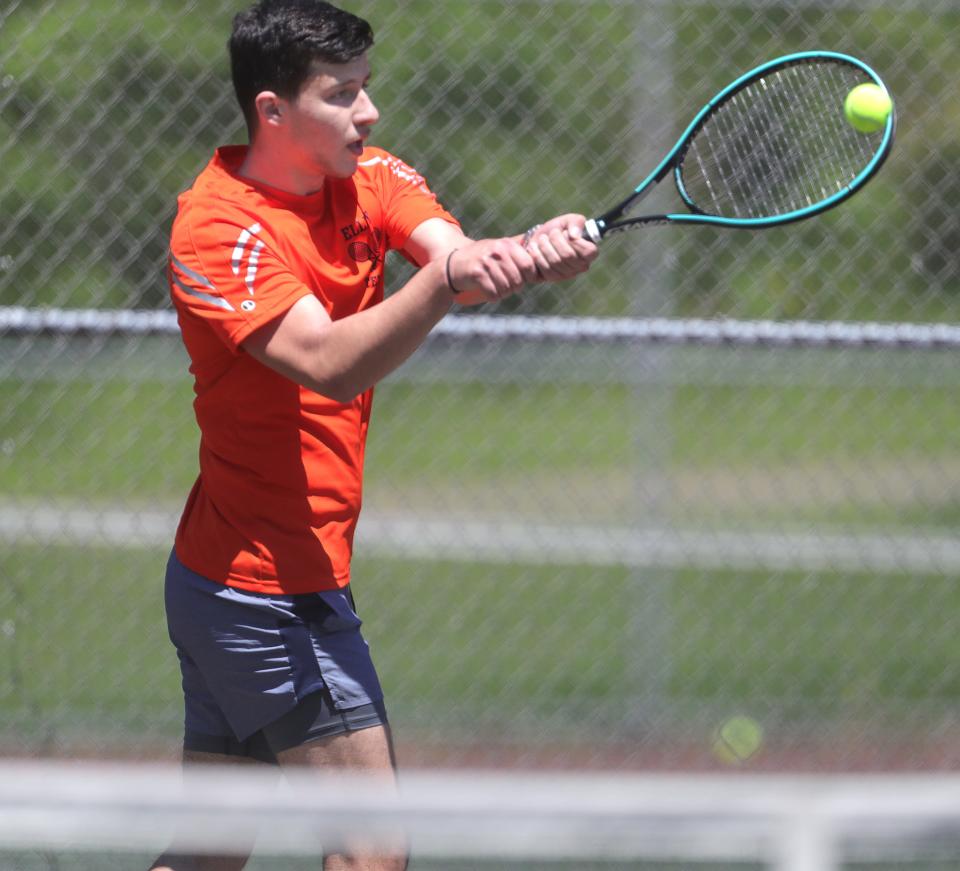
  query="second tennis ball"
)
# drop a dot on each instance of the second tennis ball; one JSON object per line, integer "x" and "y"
{"x": 737, "y": 739}
{"x": 867, "y": 107}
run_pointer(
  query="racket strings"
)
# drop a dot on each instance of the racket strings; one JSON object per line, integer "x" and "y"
{"x": 779, "y": 145}
{"x": 748, "y": 153}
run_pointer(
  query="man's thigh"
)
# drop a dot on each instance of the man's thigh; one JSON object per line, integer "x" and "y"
{"x": 177, "y": 859}
{"x": 368, "y": 750}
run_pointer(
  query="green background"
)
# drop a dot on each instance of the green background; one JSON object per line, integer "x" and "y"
{"x": 513, "y": 111}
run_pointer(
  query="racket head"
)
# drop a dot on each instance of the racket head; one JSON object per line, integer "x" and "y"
{"x": 772, "y": 147}
{"x": 775, "y": 145}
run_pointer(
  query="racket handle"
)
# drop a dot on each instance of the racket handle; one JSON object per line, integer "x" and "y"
{"x": 592, "y": 231}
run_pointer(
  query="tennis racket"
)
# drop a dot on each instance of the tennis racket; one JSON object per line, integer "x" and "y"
{"x": 772, "y": 147}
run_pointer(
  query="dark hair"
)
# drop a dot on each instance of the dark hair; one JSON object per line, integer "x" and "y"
{"x": 275, "y": 43}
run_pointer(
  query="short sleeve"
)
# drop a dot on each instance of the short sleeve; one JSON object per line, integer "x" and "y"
{"x": 224, "y": 270}
{"x": 406, "y": 199}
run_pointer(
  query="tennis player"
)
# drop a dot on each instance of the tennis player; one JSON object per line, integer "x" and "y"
{"x": 276, "y": 273}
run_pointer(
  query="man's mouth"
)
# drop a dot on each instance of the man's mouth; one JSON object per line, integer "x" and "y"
{"x": 356, "y": 147}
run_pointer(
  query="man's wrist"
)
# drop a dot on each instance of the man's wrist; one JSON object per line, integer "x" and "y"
{"x": 447, "y": 274}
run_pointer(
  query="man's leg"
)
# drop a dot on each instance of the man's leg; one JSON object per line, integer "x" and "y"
{"x": 366, "y": 751}
{"x": 174, "y": 861}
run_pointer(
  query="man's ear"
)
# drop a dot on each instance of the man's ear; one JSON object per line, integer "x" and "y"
{"x": 270, "y": 108}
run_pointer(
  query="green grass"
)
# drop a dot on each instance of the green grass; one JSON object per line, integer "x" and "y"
{"x": 488, "y": 648}
{"x": 84, "y": 642}
{"x": 84, "y": 647}
{"x": 583, "y": 447}
{"x": 825, "y": 640}
{"x": 476, "y": 430}
{"x": 554, "y": 640}
{"x": 97, "y": 440}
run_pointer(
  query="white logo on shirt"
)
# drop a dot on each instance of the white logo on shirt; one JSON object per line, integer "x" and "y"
{"x": 400, "y": 169}
{"x": 253, "y": 258}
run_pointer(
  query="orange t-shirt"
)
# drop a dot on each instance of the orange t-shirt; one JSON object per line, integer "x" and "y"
{"x": 276, "y": 504}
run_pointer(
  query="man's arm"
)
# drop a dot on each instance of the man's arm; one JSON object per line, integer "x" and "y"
{"x": 434, "y": 239}
{"x": 558, "y": 247}
{"x": 342, "y": 358}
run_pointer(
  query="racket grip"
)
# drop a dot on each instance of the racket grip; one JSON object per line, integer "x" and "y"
{"x": 591, "y": 231}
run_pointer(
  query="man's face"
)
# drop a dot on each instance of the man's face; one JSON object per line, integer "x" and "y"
{"x": 330, "y": 119}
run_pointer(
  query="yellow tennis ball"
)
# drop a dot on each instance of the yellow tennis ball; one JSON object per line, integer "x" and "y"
{"x": 867, "y": 107}
{"x": 737, "y": 739}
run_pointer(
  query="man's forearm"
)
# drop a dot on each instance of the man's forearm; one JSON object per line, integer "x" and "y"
{"x": 356, "y": 352}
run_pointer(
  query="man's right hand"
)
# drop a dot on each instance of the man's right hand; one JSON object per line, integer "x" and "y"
{"x": 489, "y": 270}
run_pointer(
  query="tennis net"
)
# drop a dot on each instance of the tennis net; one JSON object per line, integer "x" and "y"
{"x": 108, "y": 814}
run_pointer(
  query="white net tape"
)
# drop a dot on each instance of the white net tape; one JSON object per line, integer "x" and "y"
{"x": 793, "y": 823}
{"x": 20, "y": 321}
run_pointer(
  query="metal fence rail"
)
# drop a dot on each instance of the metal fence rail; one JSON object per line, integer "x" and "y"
{"x": 24, "y": 322}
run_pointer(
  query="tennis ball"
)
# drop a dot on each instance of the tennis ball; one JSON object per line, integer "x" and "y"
{"x": 867, "y": 107}
{"x": 737, "y": 739}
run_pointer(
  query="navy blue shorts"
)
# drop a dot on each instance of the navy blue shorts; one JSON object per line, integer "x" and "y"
{"x": 264, "y": 673}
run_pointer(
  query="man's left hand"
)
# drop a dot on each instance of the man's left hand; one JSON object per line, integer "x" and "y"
{"x": 559, "y": 248}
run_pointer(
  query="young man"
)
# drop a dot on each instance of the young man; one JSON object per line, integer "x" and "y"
{"x": 276, "y": 272}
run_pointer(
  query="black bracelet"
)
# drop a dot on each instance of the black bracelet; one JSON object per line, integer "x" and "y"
{"x": 453, "y": 290}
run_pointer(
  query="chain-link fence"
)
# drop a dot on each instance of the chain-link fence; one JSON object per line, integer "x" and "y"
{"x": 571, "y": 551}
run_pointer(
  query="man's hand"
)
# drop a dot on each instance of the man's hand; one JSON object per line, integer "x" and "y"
{"x": 493, "y": 269}
{"x": 559, "y": 249}
{"x": 489, "y": 270}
